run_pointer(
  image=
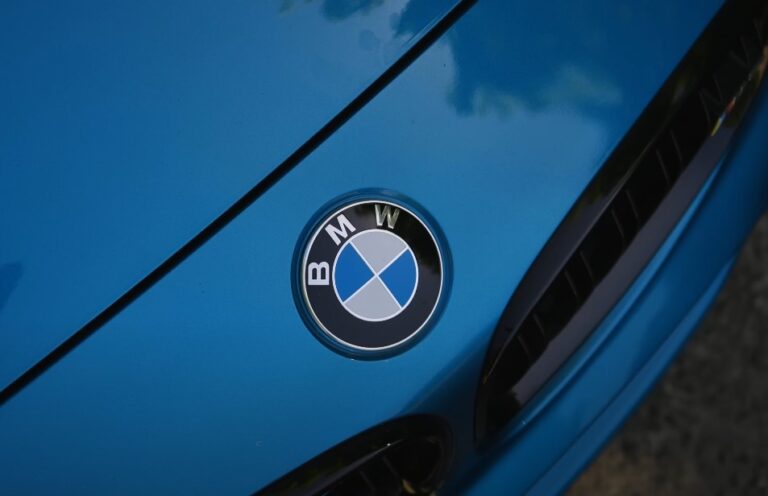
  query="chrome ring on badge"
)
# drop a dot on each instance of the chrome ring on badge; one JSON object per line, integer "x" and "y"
{"x": 371, "y": 275}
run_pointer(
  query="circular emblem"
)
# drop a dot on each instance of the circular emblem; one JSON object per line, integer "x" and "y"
{"x": 371, "y": 275}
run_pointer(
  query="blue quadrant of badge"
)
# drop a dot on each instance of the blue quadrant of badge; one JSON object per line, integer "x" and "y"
{"x": 351, "y": 272}
{"x": 400, "y": 277}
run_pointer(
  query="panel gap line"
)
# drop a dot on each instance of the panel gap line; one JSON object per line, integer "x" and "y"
{"x": 240, "y": 205}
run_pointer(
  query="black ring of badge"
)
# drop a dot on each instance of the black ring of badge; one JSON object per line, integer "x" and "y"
{"x": 326, "y": 316}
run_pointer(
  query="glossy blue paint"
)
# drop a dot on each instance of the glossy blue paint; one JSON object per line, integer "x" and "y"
{"x": 211, "y": 382}
{"x": 642, "y": 334}
{"x": 575, "y": 459}
{"x": 127, "y": 128}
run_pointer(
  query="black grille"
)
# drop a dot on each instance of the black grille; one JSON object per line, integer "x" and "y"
{"x": 625, "y": 213}
{"x": 405, "y": 456}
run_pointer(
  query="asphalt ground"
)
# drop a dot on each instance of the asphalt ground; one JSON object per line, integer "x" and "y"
{"x": 703, "y": 430}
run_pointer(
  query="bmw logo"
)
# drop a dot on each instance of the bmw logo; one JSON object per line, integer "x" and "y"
{"x": 370, "y": 275}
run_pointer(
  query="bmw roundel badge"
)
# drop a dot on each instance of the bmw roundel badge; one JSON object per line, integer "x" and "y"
{"x": 370, "y": 275}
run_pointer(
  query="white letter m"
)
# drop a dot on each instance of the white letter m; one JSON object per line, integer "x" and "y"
{"x": 334, "y": 232}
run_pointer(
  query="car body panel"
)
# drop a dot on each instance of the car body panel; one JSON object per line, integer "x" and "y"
{"x": 638, "y": 339}
{"x": 127, "y": 128}
{"x": 568, "y": 466}
{"x": 211, "y": 382}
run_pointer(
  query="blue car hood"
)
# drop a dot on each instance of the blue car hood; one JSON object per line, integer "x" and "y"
{"x": 126, "y": 129}
{"x": 210, "y": 381}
